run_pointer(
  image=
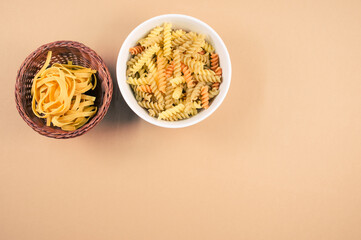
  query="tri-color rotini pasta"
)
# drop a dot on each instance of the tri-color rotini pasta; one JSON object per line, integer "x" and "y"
{"x": 174, "y": 74}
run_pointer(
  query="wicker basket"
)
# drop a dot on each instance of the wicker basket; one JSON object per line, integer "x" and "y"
{"x": 63, "y": 51}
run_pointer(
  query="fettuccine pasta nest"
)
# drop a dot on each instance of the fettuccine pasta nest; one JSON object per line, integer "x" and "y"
{"x": 58, "y": 94}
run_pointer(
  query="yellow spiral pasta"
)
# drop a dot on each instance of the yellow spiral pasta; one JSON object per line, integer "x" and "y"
{"x": 177, "y": 81}
{"x": 177, "y": 64}
{"x": 212, "y": 93}
{"x": 138, "y": 81}
{"x": 167, "y": 39}
{"x": 208, "y": 47}
{"x": 146, "y": 55}
{"x": 152, "y": 38}
{"x": 145, "y": 88}
{"x": 182, "y": 39}
{"x": 141, "y": 95}
{"x": 197, "y": 91}
{"x": 177, "y": 92}
{"x": 171, "y": 111}
{"x": 185, "y": 46}
{"x": 153, "y": 85}
{"x": 161, "y": 62}
{"x": 177, "y": 33}
{"x": 207, "y": 78}
{"x": 153, "y": 112}
{"x": 194, "y": 66}
{"x": 152, "y": 105}
{"x": 196, "y": 45}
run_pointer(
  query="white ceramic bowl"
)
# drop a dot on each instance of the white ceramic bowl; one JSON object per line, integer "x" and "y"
{"x": 189, "y": 24}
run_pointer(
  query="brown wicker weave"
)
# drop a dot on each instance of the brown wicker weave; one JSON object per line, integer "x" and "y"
{"x": 63, "y": 51}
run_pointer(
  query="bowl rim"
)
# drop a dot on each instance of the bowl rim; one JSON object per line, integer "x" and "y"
{"x": 185, "y": 122}
{"x": 94, "y": 120}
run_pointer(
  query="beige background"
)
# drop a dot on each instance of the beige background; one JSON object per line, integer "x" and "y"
{"x": 280, "y": 159}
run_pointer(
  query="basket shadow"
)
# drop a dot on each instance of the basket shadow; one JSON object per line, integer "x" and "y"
{"x": 119, "y": 111}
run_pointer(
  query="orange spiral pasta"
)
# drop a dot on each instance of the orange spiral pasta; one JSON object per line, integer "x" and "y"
{"x": 214, "y": 61}
{"x": 205, "y": 97}
{"x": 136, "y": 50}
{"x": 202, "y": 52}
{"x": 215, "y": 85}
{"x": 169, "y": 70}
{"x": 144, "y": 88}
{"x": 218, "y": 71}
{"x": 188, "y": 76}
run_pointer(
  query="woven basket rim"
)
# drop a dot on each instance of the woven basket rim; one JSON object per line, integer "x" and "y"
{"x": 94, "y": 120}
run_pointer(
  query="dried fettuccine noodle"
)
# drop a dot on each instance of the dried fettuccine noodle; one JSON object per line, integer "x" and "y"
{"x": 58, "y": 94}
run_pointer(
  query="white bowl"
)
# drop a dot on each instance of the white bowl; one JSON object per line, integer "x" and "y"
{"x": 189, "y": 24}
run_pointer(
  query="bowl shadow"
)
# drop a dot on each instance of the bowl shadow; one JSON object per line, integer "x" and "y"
{"x": 119, "y": 111}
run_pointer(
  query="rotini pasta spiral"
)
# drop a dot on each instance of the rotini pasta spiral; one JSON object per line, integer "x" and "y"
{"x": 182, "y": 39}
{"x": 213, "y": 93}
{"x": 153, "y": 105}
{"x": 178, "y": 33}
{"x": 161, "y": 73}
{"x": 197, "y": 91}
{"x": 167, "y": 39}
{"x": 153, "y": 112}
{"x": 152, "y": 37}
{"x": 202, "y": 58}
{"x": 215, "y": 85}
{"x": 169, "y": 96}
{"x": 208, "y": 47}
{"x": 177, "y": 81}
{"x": 144, "y": 88}
{"x": 177, "y": 92}
{"x": 214, "y": 62}
{"x": 207, "y": 78}
{"x": 171, "y": 111}
{"x": 153, "y": 84}
{"x": 199, "y": 42}
{"x": 187, "y": 76}
{"x": 138, "y": 81}
{"x": 146, "y": 55}
{"x": 136, "y": 50}
{"x": 194, "y": 66}
{"x": 169, "y": 70}
{"x": 177, "y": 64}
{"x": 188, "y": 103}
{"x": 205, "y": 97}
{"x": 185, "y": 46}
{"x": 141, "y": 95}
